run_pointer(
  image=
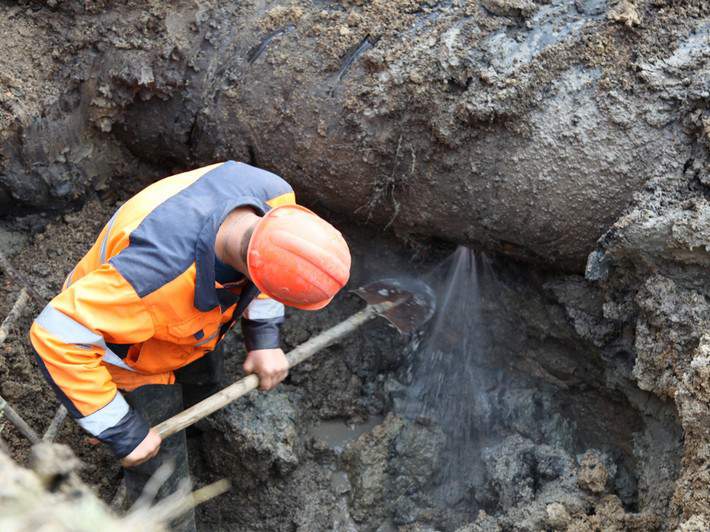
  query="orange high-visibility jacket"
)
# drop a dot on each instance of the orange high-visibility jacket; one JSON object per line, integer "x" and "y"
{"x": 144, "y": 300}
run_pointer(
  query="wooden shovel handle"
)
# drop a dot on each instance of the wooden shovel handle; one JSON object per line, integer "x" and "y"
{"x": 243, "y": 386}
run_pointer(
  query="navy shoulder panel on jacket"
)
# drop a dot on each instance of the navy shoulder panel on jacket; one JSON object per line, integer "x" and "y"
{"x": 164, "y": 244}
{"x": 254, "y": 181}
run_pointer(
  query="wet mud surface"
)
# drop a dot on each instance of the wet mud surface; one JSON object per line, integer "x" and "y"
{"x": 524, "y": 127}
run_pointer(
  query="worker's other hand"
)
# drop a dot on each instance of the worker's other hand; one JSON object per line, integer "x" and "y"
{"x": 146, "y": 450}
{"x": 270, "y": 365}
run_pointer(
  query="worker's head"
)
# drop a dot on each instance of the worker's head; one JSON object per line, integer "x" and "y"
{"x": 297, "y": 258}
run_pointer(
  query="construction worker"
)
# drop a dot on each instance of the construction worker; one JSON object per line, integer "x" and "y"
{"x": 133, "y": 338}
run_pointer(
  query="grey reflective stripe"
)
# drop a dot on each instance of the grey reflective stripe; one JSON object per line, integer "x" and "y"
{"x": 106, "y": 417}
{"x": 70, "y": 331}
{"x": 208, "y": 339}
{"x": 104, "y": 242}
{"x": 67, "y": 283}
{"x": 264, "y": 309}
{"x": 112, "y": 358}
{"x": 66, "y": 329}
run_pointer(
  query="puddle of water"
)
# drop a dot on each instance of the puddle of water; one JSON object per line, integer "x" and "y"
{"x": 337, "y": 434}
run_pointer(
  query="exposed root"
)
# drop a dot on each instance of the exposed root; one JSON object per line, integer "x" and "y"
{"x": 19, "y": 279}
{"x": 387, "y": 188}
{"x": 15, "y": 313}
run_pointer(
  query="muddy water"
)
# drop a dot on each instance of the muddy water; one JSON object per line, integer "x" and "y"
{"x": 337, "y": 434}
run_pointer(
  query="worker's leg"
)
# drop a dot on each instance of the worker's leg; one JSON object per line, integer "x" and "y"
{"x": 203, "y": 377}
{"x": 158, "y": 402}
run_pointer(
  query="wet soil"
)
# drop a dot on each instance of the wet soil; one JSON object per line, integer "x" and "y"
{"x": 523, "y": 127}
{"x": 562, "y": 134}
{"x": 558, "y": 384}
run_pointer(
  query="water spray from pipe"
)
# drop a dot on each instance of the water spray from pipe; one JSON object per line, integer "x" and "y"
{"x": 450, "y": 384}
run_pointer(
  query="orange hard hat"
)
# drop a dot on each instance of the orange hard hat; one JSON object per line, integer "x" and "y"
{"x": 298, "y": 258}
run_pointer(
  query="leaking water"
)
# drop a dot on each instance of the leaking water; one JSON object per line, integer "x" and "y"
{"x": 450, "y": 382}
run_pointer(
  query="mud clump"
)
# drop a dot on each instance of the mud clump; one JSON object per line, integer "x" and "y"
{"x": 593, "y": 474}
{"x": 652, "y": 266}
{"x": 263, "y": 428}
{"x": 510, "y": 8}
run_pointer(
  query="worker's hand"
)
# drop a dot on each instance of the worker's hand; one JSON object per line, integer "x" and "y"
{"x": 270, "y": 365}
{"x": 146, "y": 450}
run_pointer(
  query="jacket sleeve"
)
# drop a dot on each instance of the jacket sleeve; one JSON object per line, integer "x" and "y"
{"x": 70, "y": 338}
{"x": 261, "y": 324}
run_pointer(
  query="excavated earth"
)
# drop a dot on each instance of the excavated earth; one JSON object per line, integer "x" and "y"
{"x": 568, "y": 140}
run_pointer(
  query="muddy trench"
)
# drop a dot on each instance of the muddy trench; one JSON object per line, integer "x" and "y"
{"x": 543, "y": 165}
{"x": 516, "y": 406}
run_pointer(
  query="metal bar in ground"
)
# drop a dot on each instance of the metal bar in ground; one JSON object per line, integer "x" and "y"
{"x": 21, "y": 425}
{"x": 56, "y": 424}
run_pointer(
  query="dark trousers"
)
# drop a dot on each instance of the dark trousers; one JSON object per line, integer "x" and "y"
{"x": 158, "y": 402}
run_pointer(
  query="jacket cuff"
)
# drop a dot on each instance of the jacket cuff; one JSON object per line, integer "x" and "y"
{"x": 262, "y": 334}
{"x": 125, "y": 436}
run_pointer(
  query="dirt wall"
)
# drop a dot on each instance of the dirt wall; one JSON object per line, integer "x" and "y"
{"x": 520, "y": 126}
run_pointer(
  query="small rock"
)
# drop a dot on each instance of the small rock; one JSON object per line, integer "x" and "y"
{"x": 695, "y": 523}
{"x": 13, "y": 391}
{"x": 597, "y": 266}
{"x": 416, "y": 77}
{"x": 626, "y": 13}
{"x": 557, "y": 516}
{"x": 510, "y": 8}
{"x": 592, "y": 474}
{"x": 73, "y": 218}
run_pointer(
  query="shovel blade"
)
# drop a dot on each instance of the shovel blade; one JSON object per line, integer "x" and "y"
{"x": 415, "y": 301}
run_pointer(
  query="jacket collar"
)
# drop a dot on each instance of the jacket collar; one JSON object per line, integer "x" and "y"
{"x": 205, "y": 290}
